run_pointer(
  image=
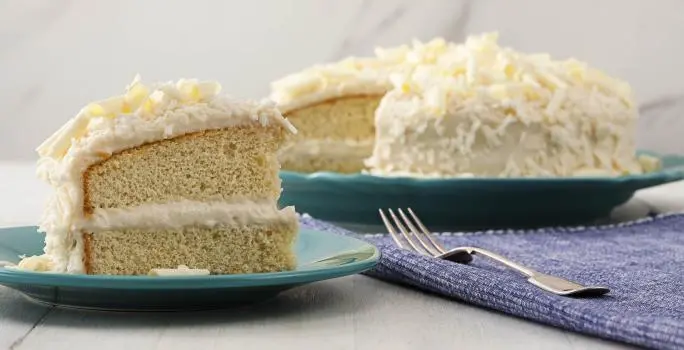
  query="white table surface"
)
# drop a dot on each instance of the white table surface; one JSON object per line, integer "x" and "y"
{"x": 354, "y": 312}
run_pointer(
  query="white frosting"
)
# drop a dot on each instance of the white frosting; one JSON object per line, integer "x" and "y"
{"x": 349, "y": 77}
{"x": 328, "y": 148}
{"x": 176, "y": 215}
{"x": 481, "y": 109}
{"x": 140, "y": 116}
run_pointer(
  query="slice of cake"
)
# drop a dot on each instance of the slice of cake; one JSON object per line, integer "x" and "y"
{"x": 483, "y": 110}
{"x": 332, "y": 106}
{"x": 176, "y": 174}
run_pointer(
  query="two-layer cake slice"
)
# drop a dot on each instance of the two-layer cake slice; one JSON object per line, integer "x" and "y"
{"x": 176, "y": 174}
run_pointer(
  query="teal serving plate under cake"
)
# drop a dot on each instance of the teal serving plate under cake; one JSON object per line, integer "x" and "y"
{"x": 469, "y": 203}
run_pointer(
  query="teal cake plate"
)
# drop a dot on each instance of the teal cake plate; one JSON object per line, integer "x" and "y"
{"x": 320, "y": 256}
{"x": 353, "y": 200}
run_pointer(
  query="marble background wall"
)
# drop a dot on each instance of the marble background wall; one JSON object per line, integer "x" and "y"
{"x": 56, "y": 55}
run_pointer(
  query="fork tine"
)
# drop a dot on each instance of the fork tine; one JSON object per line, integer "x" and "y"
{"x": 427, "y": 233}
{"x": 406, "y": 235}
{"x": 419, "y": 235}
{"x": 391, "y": 230}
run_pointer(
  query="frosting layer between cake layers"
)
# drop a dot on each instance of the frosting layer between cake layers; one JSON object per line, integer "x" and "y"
{"x": 338, "y": 149}
{"x": 176, "y": 215}
{"x": 140, "y": 116}
{"x": 480, "y": 109}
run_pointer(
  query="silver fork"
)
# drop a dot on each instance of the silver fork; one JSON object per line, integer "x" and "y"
{"x": 420, "y": 240}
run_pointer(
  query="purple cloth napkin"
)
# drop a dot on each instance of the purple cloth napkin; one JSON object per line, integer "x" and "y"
{"x": 642, "y": 262}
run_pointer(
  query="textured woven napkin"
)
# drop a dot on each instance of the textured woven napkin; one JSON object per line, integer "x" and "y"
{"x": 642, "y": 262}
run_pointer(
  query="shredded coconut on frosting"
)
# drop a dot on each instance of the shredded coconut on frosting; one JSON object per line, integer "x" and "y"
{"x": 149, "y": 103}
{"x": 481, "y": 68}
{"x": 352, "y": 75}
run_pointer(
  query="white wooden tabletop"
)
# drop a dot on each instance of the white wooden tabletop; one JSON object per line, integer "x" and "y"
{"x": 354, "y": 312}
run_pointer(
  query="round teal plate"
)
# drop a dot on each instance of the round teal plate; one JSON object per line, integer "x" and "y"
{"x": 320, "y": 255}
{"x": 468, "y": 203}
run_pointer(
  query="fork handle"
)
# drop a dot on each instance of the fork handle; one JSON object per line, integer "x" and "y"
{"x": 508, "y": 262}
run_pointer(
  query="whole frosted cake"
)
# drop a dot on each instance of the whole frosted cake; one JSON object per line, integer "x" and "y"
{"x": 479, "y": 109}
{"x": 170, "y": 175}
